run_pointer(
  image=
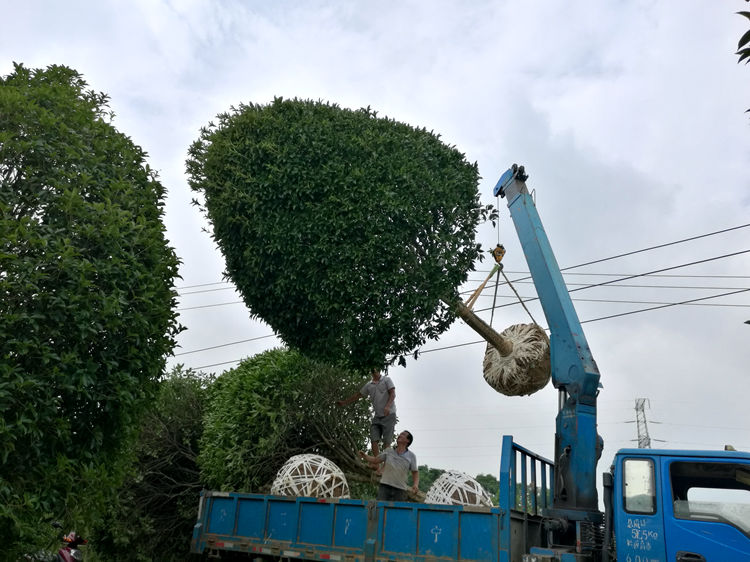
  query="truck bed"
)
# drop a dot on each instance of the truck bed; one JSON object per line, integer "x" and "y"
{"x": 247, "y": 526}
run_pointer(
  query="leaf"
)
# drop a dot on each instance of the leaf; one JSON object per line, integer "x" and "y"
{"x": 744, "y": 39}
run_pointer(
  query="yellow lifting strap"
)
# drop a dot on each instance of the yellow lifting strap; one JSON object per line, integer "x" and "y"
{"x": 498, "y": 252}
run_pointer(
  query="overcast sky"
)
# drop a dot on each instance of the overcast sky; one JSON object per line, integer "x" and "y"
{"x": 629, "y": 117}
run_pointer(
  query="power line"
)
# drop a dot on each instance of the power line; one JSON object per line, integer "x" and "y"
{"x": 640, "y": 275}
{"x": 580, "y": 264}
{"x": 209, "y": 305}
{"x": 529, "y": 299}
{"x": 638, "y": 286}
{"x": 664, "y": 306}
{"x": 230, "y": 288}
{"x": 607, "y": 301}
{"x": 201, "y": 285}
{"x": 216, "y": 364}
{"x": 224, "y": 345}
{"x": 420, "y": 352}
{"x": 706, "y": 260}
{"x": 654, "y": 272}
{"x": 525, "y": 280}
{"x": 620, "y": 301}
{"x": 683, "y": 275}
{"x": 654, "y": 247}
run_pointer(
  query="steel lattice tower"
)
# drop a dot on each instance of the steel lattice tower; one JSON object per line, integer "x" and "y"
{"x": 644, "y": 441}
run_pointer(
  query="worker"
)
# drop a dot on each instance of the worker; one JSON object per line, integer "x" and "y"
{"x": 397, "y": 462}
{"x": 382, "y": 394}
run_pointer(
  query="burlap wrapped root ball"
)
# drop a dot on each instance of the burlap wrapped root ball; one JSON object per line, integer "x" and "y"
{"x": 457, "y": 488}
{"x": 526, "y": 369}
{"x": 310, "y": 476}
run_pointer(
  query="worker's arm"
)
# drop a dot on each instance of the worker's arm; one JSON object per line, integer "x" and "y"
{"x": 415, "y": 481}
{"x": 372, "y": 460}
{"x": 391, "y": 398}
{"x": 353, "y": 398}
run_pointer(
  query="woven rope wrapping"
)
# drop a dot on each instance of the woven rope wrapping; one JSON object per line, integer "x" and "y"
{"x": 310, "y": 476}
{"x": 457, "y": 488}
{"x": 527, "y": 368}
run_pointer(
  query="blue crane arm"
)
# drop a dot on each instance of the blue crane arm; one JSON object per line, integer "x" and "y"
{"x": 574, "y": 371}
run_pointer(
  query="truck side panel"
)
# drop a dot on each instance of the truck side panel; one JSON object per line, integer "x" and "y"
{"x": 358, "y": 530}
{"x": 313, "y": 529}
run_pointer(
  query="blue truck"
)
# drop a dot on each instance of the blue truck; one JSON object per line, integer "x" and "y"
{"x": 659, "y": 505}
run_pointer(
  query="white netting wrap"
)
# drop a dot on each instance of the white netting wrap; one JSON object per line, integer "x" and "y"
{"x": 310, "y": 476}
{"x": 527, "y": 368}
{"x": 457, "y": 488}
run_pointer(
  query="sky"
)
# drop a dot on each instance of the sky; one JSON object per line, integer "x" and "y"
{"x": 629, "y": 117}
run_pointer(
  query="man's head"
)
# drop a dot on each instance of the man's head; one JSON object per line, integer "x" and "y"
{"x": 408, "y": 436}
{"x": 376, "y": 374}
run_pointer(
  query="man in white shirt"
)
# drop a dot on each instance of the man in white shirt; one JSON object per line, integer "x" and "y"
{"x": 397, "y": 463}
{"x": 382, "y": 394}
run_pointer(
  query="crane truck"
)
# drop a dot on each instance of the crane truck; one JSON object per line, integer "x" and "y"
{"x": 658, "y": 505}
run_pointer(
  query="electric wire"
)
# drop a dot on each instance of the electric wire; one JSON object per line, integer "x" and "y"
{"x": 584, "y": 287}
{"x": 694, "y": 302}
{"x": 600, "y": 260}
{"x": 225, "y": 345}
{"x": 525, "y": 280}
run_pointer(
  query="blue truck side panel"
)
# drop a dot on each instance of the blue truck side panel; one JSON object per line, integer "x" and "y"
{"x": 359, "y": 530}
{"x": 313, "y": 529}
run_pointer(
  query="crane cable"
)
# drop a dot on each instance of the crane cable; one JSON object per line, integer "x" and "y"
{"x": 498, "y": 252}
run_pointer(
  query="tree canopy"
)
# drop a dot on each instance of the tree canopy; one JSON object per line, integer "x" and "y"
{"x": 275, "y": 405}
{"x": 342, "y": 230}
{"x": 86, "y": 292}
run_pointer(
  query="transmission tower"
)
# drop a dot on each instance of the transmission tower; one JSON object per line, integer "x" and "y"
{"x": 644, "y": 441}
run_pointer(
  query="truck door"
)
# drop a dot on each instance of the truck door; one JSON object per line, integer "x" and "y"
{"x": 707, "y": 509}
{"x": 639, "y": 527}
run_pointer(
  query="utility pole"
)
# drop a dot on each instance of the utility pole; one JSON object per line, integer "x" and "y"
{"x": 644, "y": 441}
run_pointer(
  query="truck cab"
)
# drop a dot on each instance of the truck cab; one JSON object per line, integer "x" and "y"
{"x": 680, "y": 506}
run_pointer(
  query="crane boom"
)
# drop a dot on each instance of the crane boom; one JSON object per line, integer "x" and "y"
{"x": 574, "y": 371}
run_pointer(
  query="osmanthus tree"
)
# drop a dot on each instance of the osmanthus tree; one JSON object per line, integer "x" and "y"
{"x": 87, "y": 304}
{"x": 346, "y": 232}
{"x": 275, "y": 405}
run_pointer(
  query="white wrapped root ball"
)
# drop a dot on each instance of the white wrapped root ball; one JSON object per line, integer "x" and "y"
{"x": 457, "y": 488}
{"x": 526, "y": 369}
{"x": 310, "y": 476}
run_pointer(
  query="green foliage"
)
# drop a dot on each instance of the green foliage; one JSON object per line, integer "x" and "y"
{"x": 427, "y": 476}
{"x": 491, "y": 484}
{"x": 743, "y": 50}
{"x": 273, "y": 406}
{"x": 341, "y": 230}
{"x": 86, "y": 296}
{"x": 363, "y": 490}
{"x": 158, "y": 504}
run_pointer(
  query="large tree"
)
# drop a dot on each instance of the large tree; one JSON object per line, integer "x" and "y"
{"x": 346, "y": 232}
{"x": 86, "y": 293}
{"x": 273, "y": 406}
